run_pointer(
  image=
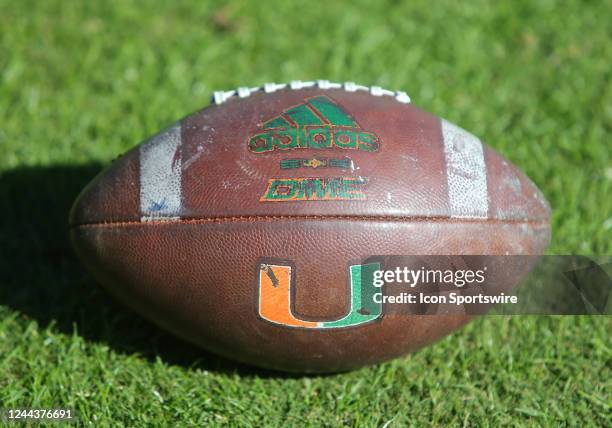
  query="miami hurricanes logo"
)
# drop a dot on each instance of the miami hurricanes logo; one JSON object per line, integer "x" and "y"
{"x": 276, "y": 305}
{"x": 317, "y": 123}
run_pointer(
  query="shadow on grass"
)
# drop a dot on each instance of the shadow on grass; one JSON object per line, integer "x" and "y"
{"x": 42, "y": 279}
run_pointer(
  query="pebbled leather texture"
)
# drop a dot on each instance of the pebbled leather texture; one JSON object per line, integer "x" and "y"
{"x": 407, "y": 176}
{"x": 176, "y": 227}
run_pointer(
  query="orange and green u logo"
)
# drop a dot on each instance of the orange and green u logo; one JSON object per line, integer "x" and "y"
{"x": 275, "y": 303}
{"x": 317, "y": 123}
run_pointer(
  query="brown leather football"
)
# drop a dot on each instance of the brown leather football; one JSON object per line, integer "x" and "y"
{"x": 239, "y": 228}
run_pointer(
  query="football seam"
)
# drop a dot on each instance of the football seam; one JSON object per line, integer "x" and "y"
{"x": 219, "y": 97}
{"x": 256, "y": 218}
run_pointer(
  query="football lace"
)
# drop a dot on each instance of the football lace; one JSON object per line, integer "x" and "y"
{"x": 219, "y": 97}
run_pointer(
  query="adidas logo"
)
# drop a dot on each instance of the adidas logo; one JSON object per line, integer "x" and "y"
{"x": 317, "y": 123}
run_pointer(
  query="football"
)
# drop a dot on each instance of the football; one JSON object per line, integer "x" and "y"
{"x": 242, "y": 227}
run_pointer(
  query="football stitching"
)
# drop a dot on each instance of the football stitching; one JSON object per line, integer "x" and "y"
{"x": 255, "y": 218}
{"x": 219, "y": 97}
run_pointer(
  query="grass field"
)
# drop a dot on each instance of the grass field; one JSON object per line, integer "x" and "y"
{"x": 82, "y": 81}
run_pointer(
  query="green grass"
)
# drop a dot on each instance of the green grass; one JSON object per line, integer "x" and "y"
{"x": 80, "y": 82}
